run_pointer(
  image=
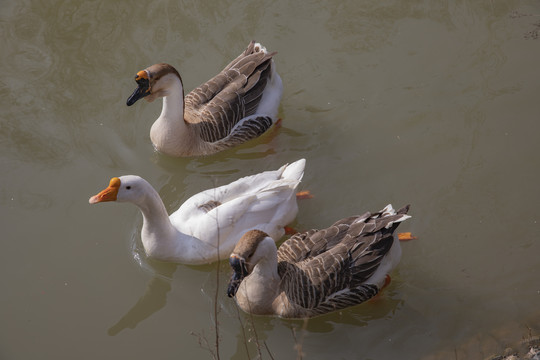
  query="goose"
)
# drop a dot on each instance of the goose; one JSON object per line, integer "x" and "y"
{"x": 207, "y": 225}
{"x": 238, "y": 104}
{"x": 317, "y": 271}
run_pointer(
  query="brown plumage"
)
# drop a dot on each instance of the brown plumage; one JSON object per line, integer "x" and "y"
{"x": 237, "y": 105}
{"x": 317, "y": 271}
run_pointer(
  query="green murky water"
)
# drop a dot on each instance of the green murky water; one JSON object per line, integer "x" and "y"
{"x": 435, "y": 104}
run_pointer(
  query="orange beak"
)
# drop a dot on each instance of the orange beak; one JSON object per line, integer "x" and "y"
{"x": 108, "y": 194}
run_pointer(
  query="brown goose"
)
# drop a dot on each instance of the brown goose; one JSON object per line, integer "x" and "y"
{"x": 317, "y": 271}
{"x": 238, "y": 104}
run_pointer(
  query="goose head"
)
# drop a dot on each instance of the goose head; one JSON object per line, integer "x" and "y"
{"x": 245, "y": 256}
{"x": 153, "y": 82}
{"x": 128, "y": 188}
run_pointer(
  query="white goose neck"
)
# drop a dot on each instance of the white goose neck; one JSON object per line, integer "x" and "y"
{"x": 259, "y": 289}
{"x": 173, "y": 101}
{"x": 153, "y": 210}
{"x": 170, "y": 134}
{"x": 162, "y": 241}
{"x": 157, "y": 231}
{"x": 266, "y": 254}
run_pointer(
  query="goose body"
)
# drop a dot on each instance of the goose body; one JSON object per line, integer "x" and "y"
{"x": 237, "y": 105}
{"x": 213, "y": 219}
{"x": 317, "y": 271}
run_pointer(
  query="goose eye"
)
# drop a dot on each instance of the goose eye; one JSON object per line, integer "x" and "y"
{"x": 128, "y": 187}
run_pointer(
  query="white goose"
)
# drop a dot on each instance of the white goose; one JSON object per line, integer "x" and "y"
{"x": 317, "y": 271}
{"x": 237, "y": 105}
{"x": 215, "y": 218}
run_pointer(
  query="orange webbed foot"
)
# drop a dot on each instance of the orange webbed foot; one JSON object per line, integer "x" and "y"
{"x": 306, "y": 194}
{"x": 406, "y": 236}
{"x": 290, "y": 231}
{"x": 387, "y": 281}
{"x": 278, "y": 123}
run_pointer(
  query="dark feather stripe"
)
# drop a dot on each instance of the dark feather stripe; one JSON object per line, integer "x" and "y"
{"x": 250, "y": 129}
{"x": 346, "y": 299}
{"x": 325, "y": 270}
{"x": 215, "y": 107}
{"x": 212, "y": 204}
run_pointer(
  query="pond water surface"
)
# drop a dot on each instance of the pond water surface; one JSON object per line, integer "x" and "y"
{"x": 430, "y": 103}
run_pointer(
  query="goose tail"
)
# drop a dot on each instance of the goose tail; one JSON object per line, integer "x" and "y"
{"x": 294, "y": 171}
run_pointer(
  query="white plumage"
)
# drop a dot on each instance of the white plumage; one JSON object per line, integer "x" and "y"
{"x": 213, "y": 218}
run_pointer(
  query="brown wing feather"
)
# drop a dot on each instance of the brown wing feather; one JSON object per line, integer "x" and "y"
{"x": 218, "y": 105}
{"x": 302, "y": 246}
{"x": 324, "y": 270}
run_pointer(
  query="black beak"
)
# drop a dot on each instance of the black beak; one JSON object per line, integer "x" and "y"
{"x": 141, "y": 91}
{"x": 239, "y": 273}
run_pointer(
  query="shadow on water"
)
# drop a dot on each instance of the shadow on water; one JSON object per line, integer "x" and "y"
{"x": 256, "y": 149}
{"x": 155, "y": 295}
{"x": 153, "y": 299}
{"x": 254, "y": 330}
